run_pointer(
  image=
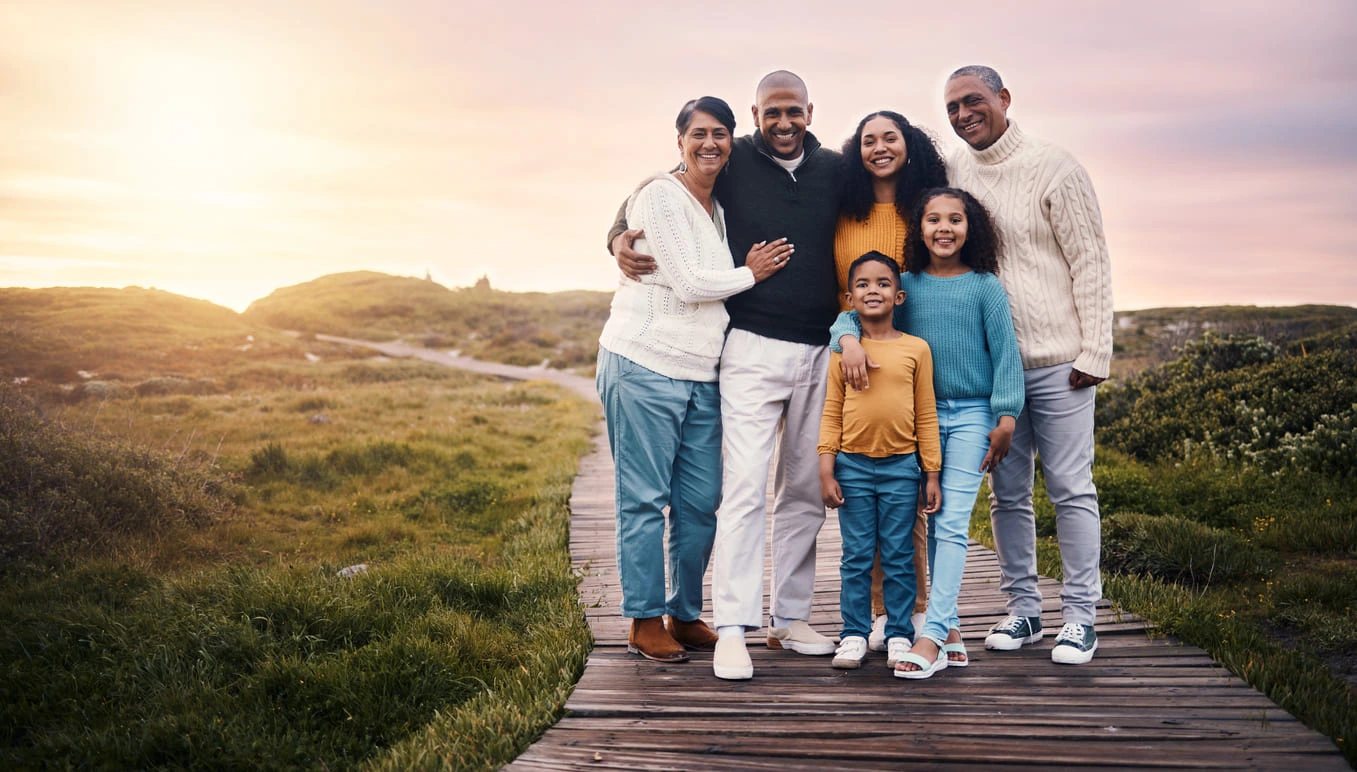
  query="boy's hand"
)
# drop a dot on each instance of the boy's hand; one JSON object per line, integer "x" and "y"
{"x": 633, "y": 264}
{"x": 830, "y": 493}
{"x": 1000, "y": 440}
{"x": 932, "y": 494}
{"x": 855, "y": 362}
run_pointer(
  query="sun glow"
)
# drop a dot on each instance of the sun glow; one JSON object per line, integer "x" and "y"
{"x": 185, "y": 123}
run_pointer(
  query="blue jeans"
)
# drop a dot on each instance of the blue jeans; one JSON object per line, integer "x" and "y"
{"x": 1057, "y": 423}
{"x": 964, "y": 426}
{"x": 665, "y": 437}
{"x": 880, "y": 496}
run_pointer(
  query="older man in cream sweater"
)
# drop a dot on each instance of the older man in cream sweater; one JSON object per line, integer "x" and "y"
{"x": 1056, "y": 270}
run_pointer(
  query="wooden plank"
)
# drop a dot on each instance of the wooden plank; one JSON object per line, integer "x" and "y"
{"x": 1143, "y": 703}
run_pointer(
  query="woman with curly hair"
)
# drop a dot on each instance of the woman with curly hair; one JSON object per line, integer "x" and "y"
{"x": 887, "y": 163}
{"x": 955, "y": 302}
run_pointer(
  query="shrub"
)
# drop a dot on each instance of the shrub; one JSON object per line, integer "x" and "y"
{"x": 65, "y": 492}
{"x": 102, "y": 390}
{"x": 173, "y": 384}
{"x": 1265, "y": 411}
{"x": 1176, "y": 549}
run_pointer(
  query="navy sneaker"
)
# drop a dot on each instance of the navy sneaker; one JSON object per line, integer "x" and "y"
{"x": 1012, "y": 632}
{"x": 1075, "y": 644}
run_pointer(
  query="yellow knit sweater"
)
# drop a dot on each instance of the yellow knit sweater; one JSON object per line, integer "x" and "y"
{"x": 883, "y": 231}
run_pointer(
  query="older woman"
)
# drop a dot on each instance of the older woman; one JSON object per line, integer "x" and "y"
{"x": 657, "y": 363}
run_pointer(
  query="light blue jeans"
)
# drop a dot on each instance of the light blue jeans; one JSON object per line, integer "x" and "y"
{"x": 1056, "y": 422}
{"x": 964, "y": 426}
{"x": 880, "y": 496}
{"x": 665, "y": 437}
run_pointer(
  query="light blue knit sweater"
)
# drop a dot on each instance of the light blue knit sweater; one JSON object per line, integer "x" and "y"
{"x": 966, "y": 321}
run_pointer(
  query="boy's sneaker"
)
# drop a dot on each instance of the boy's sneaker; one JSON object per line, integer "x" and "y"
{"x": 877, "y": 640}
{"x": 1012, "y": 632}
{"x": 1075, "y": 644}
{"x": 852, "y": 650}
{"x": 896, "y": 649}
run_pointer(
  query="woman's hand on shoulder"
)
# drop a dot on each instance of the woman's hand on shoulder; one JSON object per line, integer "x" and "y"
{"x": 768, "y": 257}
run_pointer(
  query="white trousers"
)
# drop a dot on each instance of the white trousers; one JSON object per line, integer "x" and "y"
{"x": 772, "y": 395}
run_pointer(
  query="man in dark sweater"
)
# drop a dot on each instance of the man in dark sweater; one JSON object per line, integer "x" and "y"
{"x": 780, "y": 183}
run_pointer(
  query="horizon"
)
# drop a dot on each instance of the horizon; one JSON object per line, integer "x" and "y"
{"x": 450, "y": 288}
{"x": 225, "y": 153}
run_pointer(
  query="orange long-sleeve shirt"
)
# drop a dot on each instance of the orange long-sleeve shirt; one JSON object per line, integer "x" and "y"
{"x": 883, "y": 231}
{"x": 896, "y": 416}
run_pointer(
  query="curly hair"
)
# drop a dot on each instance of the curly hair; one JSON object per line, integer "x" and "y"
{"x": 924, "y": 169}
{"x": 980, "y": 250}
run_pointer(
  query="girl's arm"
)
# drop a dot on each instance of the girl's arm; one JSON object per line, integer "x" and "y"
{"x": 844, "y": 337}
{"x": 1008, "y": 393}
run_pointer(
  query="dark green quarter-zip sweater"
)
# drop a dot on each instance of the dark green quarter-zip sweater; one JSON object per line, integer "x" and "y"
{"x": 763, "y": 202}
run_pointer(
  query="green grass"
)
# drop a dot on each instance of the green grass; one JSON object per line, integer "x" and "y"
{"x": 1260, "y": 571}
{"x": 228, "y": 640}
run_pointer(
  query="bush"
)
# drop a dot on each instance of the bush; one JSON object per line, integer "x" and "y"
{"x": 1176, "y": 549}
{"x": 173, "y": 384}
{"x": 65, "y": 493}
{"x": 1264, "y": 410}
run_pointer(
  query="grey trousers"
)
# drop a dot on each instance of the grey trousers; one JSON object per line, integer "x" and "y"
{"x": 1057, "y": 423}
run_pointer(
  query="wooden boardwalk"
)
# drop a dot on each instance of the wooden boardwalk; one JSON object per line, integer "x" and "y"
{"x": 1142, "y": 703}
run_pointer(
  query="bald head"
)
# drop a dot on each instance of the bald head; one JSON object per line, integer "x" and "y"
{"x": 782, "y": 111}
{"x": 778, "y": 80}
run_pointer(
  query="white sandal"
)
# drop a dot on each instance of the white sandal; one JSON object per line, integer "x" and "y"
{"x": 926, "y": 668}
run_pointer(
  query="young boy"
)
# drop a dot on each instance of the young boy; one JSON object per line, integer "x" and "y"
{"x": 873, "y": 444}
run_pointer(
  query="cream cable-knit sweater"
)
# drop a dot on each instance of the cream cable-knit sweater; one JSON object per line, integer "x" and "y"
{"x": 674, "y": 320}
{"x": 1054, "y": 264}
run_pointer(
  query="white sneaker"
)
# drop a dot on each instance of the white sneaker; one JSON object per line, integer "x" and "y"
{"x": 918, "y": 621}
{"x": 731, "y": 660}
{"x": 1075, "y": 644}
{"x": 800, "y": 638}
{"x": 877, "y": 640}
{"x": 896, "y": 649}
{"x": 852, "y": 650}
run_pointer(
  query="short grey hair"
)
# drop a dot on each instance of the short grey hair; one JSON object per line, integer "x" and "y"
{"x": 987, "y": 75}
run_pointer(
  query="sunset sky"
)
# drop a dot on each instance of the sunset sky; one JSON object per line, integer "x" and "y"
{"x": 221, "y": 150}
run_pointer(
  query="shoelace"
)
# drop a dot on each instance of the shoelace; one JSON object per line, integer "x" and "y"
{"x": 1010, "y": 624}
{"x": 1071, "y": 632}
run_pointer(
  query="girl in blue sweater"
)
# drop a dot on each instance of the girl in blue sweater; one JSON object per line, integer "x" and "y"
{"x": 958, "y": 306}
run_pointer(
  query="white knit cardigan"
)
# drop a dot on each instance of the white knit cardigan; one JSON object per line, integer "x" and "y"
{"x": 1054, "y": 264}
{"x": 674, "y": 321}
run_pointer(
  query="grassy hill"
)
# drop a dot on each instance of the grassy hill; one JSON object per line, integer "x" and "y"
{"x": 521, "y": 328}
{"x": 79, "y": 335}
{"x": 180, "y": 486}
{"x": 1151, "y": 336}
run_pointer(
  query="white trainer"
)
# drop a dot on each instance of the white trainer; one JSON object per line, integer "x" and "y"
{"x": 877, "y": 640}
{"x": 800, "y": 638}
{"x": 731, "y": 660}
{"x": 852, "y": 650}
{"x": 896, "y": 649}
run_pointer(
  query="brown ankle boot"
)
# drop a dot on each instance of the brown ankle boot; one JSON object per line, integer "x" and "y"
{"x": 649, "y": 639}
{"x": 693, "y": 635}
